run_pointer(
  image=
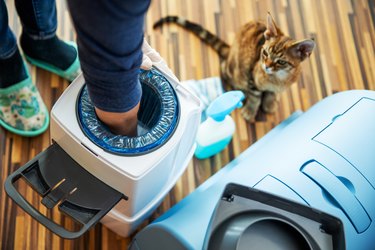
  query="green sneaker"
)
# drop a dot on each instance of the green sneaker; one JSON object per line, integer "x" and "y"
{"x": 69, "y": 74}
{"x": 22, "y": 110}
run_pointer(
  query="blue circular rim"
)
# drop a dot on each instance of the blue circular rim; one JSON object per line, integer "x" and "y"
{"x": 134, "y": 151}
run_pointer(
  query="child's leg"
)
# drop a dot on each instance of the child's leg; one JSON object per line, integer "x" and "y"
{"x": 39, "y": 41}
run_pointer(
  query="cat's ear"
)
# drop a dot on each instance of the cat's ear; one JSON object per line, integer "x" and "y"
{"x": 272, "y": 30}
{"x": 302, "y": 49}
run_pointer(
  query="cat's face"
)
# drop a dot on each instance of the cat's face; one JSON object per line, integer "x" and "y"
{"x": 277, "y": 61}
{"x": 280, "y": 54}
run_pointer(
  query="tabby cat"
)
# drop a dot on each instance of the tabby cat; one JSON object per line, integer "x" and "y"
{"x": 261, "y": 62}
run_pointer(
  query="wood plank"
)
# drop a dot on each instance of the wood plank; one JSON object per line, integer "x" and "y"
{"x": 343, "y": 59}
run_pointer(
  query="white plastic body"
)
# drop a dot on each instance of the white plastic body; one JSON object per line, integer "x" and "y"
{"x": 211, "y": 131}
{"x": 144, "y": 179}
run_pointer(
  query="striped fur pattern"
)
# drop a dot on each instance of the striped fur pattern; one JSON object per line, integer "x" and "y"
{"x": 261, "y": 61}
{"x": 206, "y": 36}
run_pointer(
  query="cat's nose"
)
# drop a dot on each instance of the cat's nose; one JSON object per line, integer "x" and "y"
{"x": 268, "y": 69}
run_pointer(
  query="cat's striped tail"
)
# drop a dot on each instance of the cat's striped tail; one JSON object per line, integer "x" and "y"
{"x": 206, "y": 36}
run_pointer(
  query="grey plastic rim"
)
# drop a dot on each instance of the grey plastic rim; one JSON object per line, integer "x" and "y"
{"x": 258, "y": 231}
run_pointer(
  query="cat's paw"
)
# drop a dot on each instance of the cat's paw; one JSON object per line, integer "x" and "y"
{"x": 248, "y": 115}
{"x": 269, "y": 107}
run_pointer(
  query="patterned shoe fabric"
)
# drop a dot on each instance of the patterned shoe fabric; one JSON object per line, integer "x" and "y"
{"x": 22, "y": 110}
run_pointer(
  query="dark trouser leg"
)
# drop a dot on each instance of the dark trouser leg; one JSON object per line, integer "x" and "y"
{"x": 38, "y": 17}
{"x": 110, "y": 36}
{"x": 38, "y": 39}
{"x": 11, "y": 65}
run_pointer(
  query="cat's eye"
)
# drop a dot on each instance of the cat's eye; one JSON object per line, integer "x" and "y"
{"x": 281, "y": 62}
{"x": 265, "y": 53}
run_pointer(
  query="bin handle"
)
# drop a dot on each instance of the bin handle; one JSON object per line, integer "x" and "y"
{"x": 342, "y": 196}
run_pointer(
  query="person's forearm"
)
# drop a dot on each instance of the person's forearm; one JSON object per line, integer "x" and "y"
{"x": 110, "y": 37}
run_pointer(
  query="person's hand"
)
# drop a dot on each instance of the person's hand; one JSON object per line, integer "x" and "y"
{"x": 124, "y": 123}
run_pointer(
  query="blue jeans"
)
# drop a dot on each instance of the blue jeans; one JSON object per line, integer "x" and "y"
{"x": 38, "y": 18}
{"x": 110, "y": 37}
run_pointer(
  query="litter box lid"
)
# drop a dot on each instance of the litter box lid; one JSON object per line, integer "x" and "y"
{"x": 158, "y": 118}
{"x": 247, "y": 218}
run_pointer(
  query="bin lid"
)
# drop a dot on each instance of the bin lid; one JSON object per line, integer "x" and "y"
{"x": 247, "y": 218}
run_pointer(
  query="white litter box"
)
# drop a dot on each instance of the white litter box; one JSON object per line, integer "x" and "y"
{"x": 90, "y": 173}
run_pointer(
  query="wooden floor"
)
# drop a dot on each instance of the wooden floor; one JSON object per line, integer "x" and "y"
{"x": 343, "y": 59}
